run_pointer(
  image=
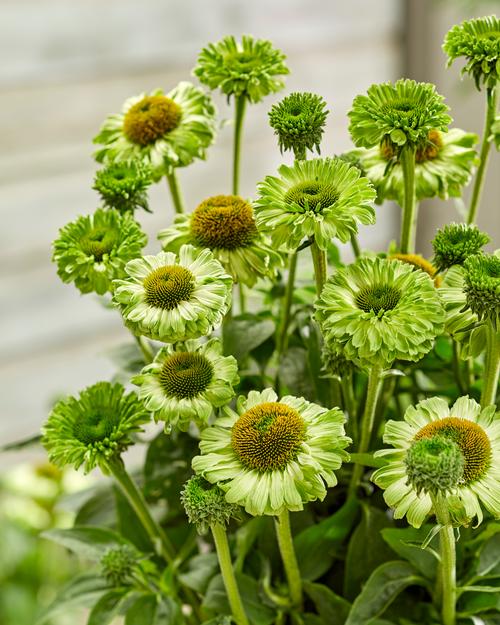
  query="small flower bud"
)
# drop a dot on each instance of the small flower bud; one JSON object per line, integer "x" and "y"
{"x": 205, "y": 504}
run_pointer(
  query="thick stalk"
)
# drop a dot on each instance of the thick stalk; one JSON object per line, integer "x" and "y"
{"x": 290, "y": 564}
{"x": 448, "y": 562}
{"x": 226, "y": 569}
{"x": 355, "y": 245}
{"x": 175, "y": 191}
{"x": 349, "y": 403}
{"x": 408, "y": 222}
{"x": 287, "y": 303}
{"x": 457, "y": 371}
{"x": 319, "y": 261}
{"x": 147, "y": 352}
{"x": 242, "y": 298}
{"x": 491, "y": 99}
{"x": 491, "y": 367}
{"x": 241, "y": 102}
{"x": 372, "y": 395}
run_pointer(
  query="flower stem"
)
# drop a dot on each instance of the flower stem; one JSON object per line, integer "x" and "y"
{"x": 448, "y": 562}
{"x": 287, "y": 303}
{"x": 241, "y": 102}
{"x": 285, "y": 543}
{"x": 408, "y": 222}
{"x": 136, "y": 500}
{"x": 242, "y": 298}
{"x": 491, "y": 98}
{"x": 319, "y": 261}
{"x": 226, "y": 568}
{"x": 491, "y": 366}
{"x": 372, "y": 395}
{"x": 175, "y": 190}
{"x": 355, "y": 245}
{"x": 145, "y": 347}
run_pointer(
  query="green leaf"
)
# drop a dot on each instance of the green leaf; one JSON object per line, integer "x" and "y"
{"x": 360, "y": 561}
{"x": 87, "y": 541}
{"x": 149, "y": 609}
{"x": 202, "y": 569}
{"x": 107, "y": 607}
{"x": 383, "y": 586}
{"x": 314, "y": 363}
{"x": 294, "y": 373}
{"x": 368, "y": 460}
{"x": 478, "y": 602}
{"x": 129, "y": 524}
{"x": 332, "y": 608}
{"x": 399, "y": 540}
{"x": 316, "y": 545}
{"x": 99, "y": 509}
{"x": 246, "y": 332}
{"x": 489, "y": 556}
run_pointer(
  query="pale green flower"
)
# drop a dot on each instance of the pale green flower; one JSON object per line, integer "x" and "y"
{"x": 162, "y": 131}
{"x": 186, "y": 381}
{"x": 171, "y": 297}
{"x": 273, "y": 455}
{"x": 411, "y": 474}
{"x": 225, "y": 224}
{"x": 324, "y": 198}
{"x": 380, "y": 310}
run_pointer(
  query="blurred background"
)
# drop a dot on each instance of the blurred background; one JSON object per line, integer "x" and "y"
{"x": 67, "y": 65}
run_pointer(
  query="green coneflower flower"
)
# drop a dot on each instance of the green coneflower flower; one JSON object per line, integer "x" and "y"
{"x": 162, "y": 131}
{"x": 171, "y": 297}
{"x": 95, "y": 428}
{"x": 334, "y": 361}
{"x": 299, "y": 120}
{"x": 455, "y": 243}
{"x": 250, "y": 68}
{"x": 93, "y": 250}
{"x": 478, "y": 41}
{"x": 226, "y": 225}
{"x": 482, "y": 286}
{"x": 273, "y": 455}
{"x": 186, "y": 381}
{"x": 459, "y": 319}
{"x": 426, "y": 461}
{"x": 205, "y": 504}
{"x": 324, "y": 198}
{"x": 380, "y": 310}
{"x": 400, "y": 114}
{"x": 118, "y": 564}
{"x": 124, "y": 185}
{"x": 418, "y": 262}
{"x": 443, "y": 166}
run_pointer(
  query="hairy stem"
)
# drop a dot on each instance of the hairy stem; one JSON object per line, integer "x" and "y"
{"x": 287, "y": 304}
{"x": 491, "y": 367}
{"x": 287, "y": 551}
{"x": 175, "y": 191}
{"x": 448, "y": 562}
{"x": 146, "y": 350}
{"x": 241, "y": 102}
{"x": 319, "y": 261}
{"x": 408, "y": 222}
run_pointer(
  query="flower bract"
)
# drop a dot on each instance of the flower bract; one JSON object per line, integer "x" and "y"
{"x": 124, "y": 185}
{"x": 205, "y": 504}
{"x": 455, "y": 243}
{"x": 482, "y": 286}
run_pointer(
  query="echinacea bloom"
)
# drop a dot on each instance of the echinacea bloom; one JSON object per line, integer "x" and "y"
{"x": 93, "y": 250}
{"x": 380, "y": 310}
{"x": 272, "y": 454}
{"x": 124, "y": 185}
{"x": 186, "y": 381}
{"x": 320, "y": 198}
{"x": 418, "y": 262}
{"x": 162, "y": 131}
{"x": 482, "y": 286}
{"x": 170, "y": 297}
{"x": 453, "y": 452}
{"x": 249, "y": 68}
{"x": 444, "y": 164}
{"x": 95, "y": 428}
{"x": 455, "y": 243}
{"x": 403, "y": 113}
{"x": 478, "y": 41}
{"x": 226, "y": 225}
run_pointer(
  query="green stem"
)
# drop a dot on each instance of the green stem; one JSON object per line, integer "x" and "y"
{"x": 226, "y": 569}
{"x": 349, "y": 402}
{"x": 408, "y": 222}
{"x": 136, "y": 499}
{"x": 145, "y": 347}
{"x": 372, "y": 395}
{"x": 448, "y": 561}
{"x": 175, "y": 190}
{"x": 457, "y": 371}
{"x": 491, "y": 367}
{"x": 285, "y": 543}
{"x": 355, "y": 245}
{"x": 241, "y": 102}
{"x": 319, "y": 261}
{"x": 287, "y": 303}
{"x": 242, "y": 298}
{"x": 491, "y": 99}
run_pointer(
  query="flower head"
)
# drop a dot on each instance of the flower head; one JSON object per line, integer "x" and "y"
{"x": 93, "y": 250}
{"x": 94, "y": 428}
{"x": 186, "y": 381}
{"x": 206, "y": 505}
{"x": 226, "y": 225}
{"x": 397, "y": 115}
{"x": 162, "y": 131}
{"x": 418, "y": 262}
{"x": 478, "y": 41}
{"x": 324, "y": 198}
{"x": 334, "y": 361}
{"x": 482, "y": 286}
{"x": 459, "y": 319}
{"x": 443, "y": 166}
{"x": 299, "y": 120}
{"x": 172, "y": 297}
{"x": 453, "y": 452}
{"x": 118, "y": 564}
{"x": 273, "y": 455}
{"x": 455, "y": 243}
{"x": 380, "y": 310}
{"x": 124, "y": 185}
{"x": 248, "y": 68}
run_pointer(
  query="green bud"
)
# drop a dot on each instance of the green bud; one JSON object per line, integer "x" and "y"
{"x": 455, "y": 243}
{"x": 205, "y": 504}
{"x": 124, "y": 185}
{"x": 482, "y": 286}
{"x": 117, "y": 564}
